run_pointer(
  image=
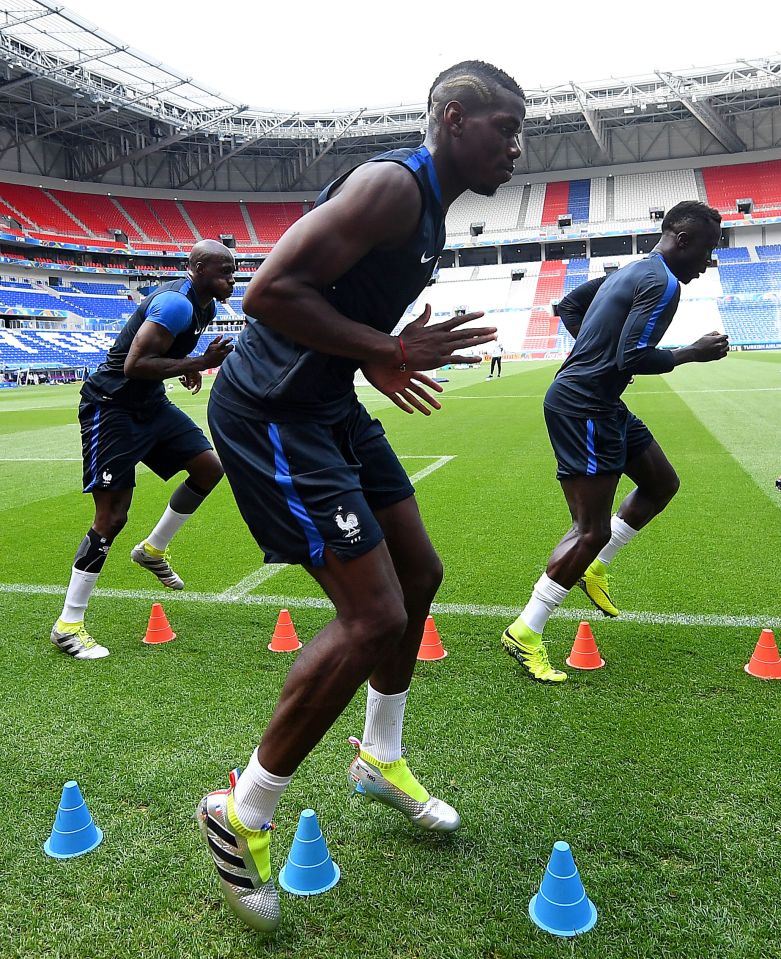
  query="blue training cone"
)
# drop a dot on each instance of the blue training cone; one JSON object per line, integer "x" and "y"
{"x": 309, "y": 869}
{"x": 74, "y": 831}
{"x": 562, "y": 906}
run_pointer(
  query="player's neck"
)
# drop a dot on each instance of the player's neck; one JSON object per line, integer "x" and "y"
{"x": 204, "y": 299}
{"x": 450, "y": 185}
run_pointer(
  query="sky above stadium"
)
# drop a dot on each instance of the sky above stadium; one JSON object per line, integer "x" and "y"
{"x": 308, "y": 55}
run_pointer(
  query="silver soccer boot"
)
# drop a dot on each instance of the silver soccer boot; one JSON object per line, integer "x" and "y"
{"x": 394, "y": 785}
{"x": 157, "y": 565}
{"x": 242, "y": 859}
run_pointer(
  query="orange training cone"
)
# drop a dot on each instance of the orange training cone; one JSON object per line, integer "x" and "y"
{"x": 159, "y": 629}
{"x": 765, "y": 663}
{"x": 431, "y": 645}
{"x": 285, "y": 639}
{"x": 584, "y": 654}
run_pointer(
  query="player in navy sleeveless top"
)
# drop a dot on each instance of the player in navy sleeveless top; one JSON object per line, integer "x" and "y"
{"x": 126, "y": 419}
{"x": 314, "y": 476}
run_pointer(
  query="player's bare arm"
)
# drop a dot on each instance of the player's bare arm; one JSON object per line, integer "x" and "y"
{"x": 377, "y": 208}
{"x": 146, "y": 358}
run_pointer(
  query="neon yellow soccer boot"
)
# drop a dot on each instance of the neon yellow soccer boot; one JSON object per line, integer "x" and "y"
{"x": 527, "y": 647}
{"x": 595, "y": 583}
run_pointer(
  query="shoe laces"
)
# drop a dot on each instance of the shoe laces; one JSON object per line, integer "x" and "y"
{"x": 86, "y": 640}
{"x": 540, "y": 658}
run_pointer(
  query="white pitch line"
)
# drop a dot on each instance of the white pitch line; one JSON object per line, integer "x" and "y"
{"x": 259, "y": 576}
{"x": 451, "y": 609}
{"x": 249, "y": 583}
{"x": 427, "y": 470}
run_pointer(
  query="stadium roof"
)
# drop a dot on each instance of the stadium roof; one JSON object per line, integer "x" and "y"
{"x": 110, "y": 107}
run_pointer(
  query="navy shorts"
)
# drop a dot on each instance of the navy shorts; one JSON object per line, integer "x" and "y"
{"x": 114, "y": 440}
{"x": 598, "y": 446}
{"x": 306, "y": 487}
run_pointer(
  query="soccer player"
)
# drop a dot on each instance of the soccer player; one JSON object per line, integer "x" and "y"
{"x": 314, "y": 476}
{"x": 127, "y": 419}
{"x": 618, "y": 323}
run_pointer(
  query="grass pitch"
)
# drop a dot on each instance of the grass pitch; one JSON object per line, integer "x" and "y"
{"x": 661, "y": 770}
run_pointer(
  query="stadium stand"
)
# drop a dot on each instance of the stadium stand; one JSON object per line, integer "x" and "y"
{"x": 543, "y": 326}
{"x": 173, "y": 226}
{"x": 579, "y": 200}
{"x": 37, "y": 206}
{"x": 750, "y": 277}
{"x": 29, "y": 299}
{"x": 152, "y": 229}
{"x": 212, "y": 219}
{"x": 97, "y": 212}
{"x": 733, "y": 254}
{"x": 636, "y": 193}
{"x": 270, "y": 220}
{"x": 535, "y": 206}
{"x": 107, "y": 289}
{"x": 168, "y": 212}
{"x": 44, "y": 348}
{"x": 760, "y": 182}
{"x": 498, "y": 212}
{"x": 742, "y": 296}
{"x": 556, "y": 203}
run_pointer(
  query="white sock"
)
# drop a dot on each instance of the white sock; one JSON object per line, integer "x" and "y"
{"x": 76, "y": 599}
{"x": 384, "y": 721}
{"x": 621, "y": 534}
{"x": 170, "y": 524}
{"x": 546, "y": 596}
{"x": 257, "y": 793}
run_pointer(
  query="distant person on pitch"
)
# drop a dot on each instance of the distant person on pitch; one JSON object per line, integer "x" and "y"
{"x": 496, "y": 360}
{"x": 617, "y": 322}
{"x": 313, "y": 474}
{"x": 126, "y": 419}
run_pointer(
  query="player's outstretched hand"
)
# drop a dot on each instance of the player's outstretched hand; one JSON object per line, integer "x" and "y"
{"x": 216, "y": 351}
{"x": 192, "y": 382}
{"x": 407, "y": 389}
{"x": 427, "y": 347}
{"x": 712, "y": 346}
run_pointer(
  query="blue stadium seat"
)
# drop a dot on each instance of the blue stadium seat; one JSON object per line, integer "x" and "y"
{"x": 579, "y": 200}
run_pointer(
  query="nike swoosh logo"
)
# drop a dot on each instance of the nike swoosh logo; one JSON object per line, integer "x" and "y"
{"x": 426, "y": 259}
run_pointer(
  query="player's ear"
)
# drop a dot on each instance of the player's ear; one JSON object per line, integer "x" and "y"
{"x": 683, "y": 240}
{"x": 453, "y": 117}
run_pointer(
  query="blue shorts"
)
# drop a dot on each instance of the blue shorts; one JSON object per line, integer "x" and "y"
{"x": 306, "y": 487}
{"x": 598, "y": 446}
{"x": 115, "y": 440}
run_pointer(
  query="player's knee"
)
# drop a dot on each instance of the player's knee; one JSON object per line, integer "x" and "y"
{"x": 374, "y": 628}
{"x": 207, "y": 471}
{"x": 430, "y": 579}
{"x": 672, "y": 486}
{"x": 111, "y": 522}
{"x": 421, "y": 583}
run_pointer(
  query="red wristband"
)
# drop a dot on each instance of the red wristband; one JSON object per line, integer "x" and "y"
{"x": 403, "y": 366}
